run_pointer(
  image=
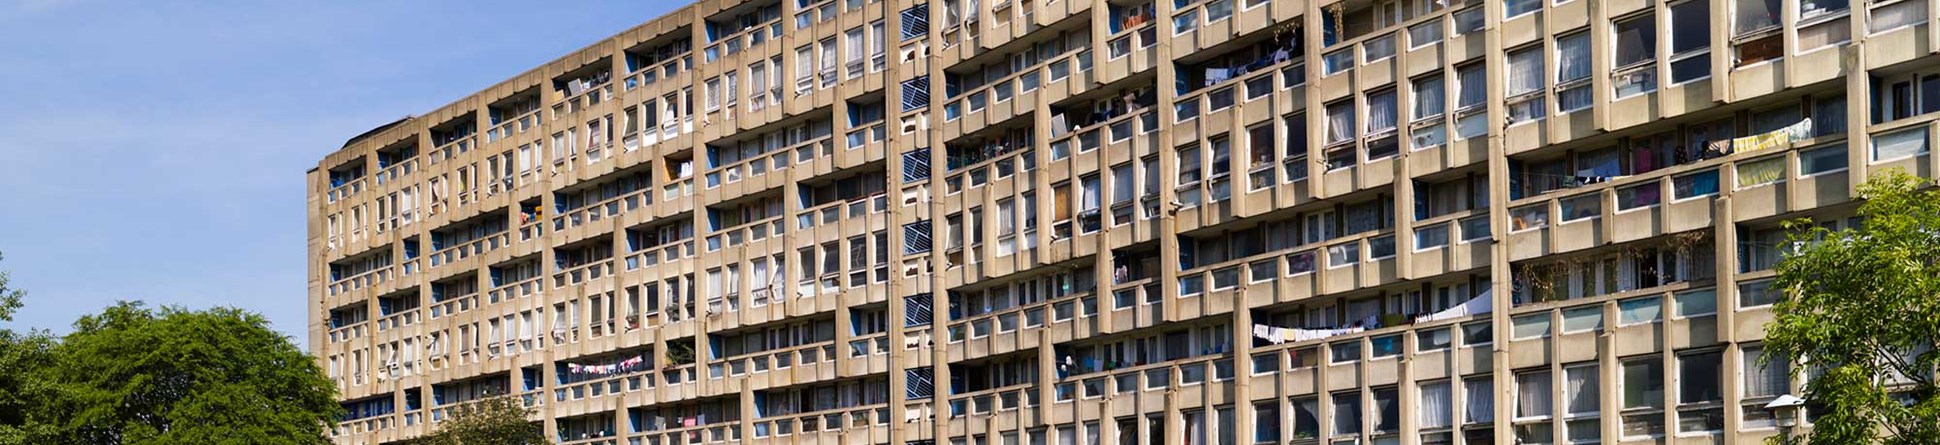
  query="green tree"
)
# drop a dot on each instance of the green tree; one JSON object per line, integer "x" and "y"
{"x": 134, "y": 375}
{"x": 20, "y": 355}
{"x": 1861, "y": 307}
{"x": 494, "y": 421}
{"x": 10, "y": 298}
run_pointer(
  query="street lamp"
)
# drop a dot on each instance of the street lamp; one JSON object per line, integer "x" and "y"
{"x": 1785, "y": 410}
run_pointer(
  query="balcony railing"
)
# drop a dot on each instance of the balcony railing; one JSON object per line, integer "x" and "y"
{"x": 756, "y": 166}
{"x": 516, "y": 125}
{"x": 748, "y": 232}
{"x": 582, "y": 274}
{"x": 517, "y": 289}
{"x": 984, "y": 402}
{"x": 782, "y": 358}
{"x": 609, "y": 208}
{"x": 369, "y": 278}
{"x": 832, "y": 212}
{"x": 454, "y": 305}
{"x": 470, "y": 248}
{"x": 1057, "y": 68}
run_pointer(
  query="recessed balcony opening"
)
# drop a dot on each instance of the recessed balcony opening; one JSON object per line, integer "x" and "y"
{"x": 453, "y": 136}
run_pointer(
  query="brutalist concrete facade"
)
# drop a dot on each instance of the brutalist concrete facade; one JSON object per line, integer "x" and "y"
{"x": 1117, "y": 222}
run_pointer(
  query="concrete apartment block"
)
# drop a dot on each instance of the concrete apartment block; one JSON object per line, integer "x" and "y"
{"x": 1010, "y": 222}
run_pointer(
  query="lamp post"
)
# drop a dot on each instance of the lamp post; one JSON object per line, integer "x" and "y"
{"x": 1785, "y": 410}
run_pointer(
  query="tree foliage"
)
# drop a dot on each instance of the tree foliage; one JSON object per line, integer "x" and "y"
{"x": 1861, "y": 308}
{"x": 493, "y": 421}
{"x": 135, "y": 375}
{"x": 20, "y": 355}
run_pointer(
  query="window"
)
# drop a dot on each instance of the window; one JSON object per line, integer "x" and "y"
{"x": 1691, "y": 41}
{"x": 1432, "y": 340}
{"x": 1480, "y": 404}
{"x": 713, "y": 88}
{"x": 1532, "y": 395}
{"x": 1469, "y": 20}
{"x": 1430, "y": 237}
{"x": 1695, "y": 303}
{"x": 1820, "y": 28}
{"x": 1699, "y": 391}
{"x": 1378, "y": 48}
{"x": 1530, "y": 326}
{"x": 1581, "y": 404}
{"x": 1761, "y": 172}
{"x": 1754, "y": 16}
{"x": 1266, "y": 422}
{"x": 1471, "y": 91}
{"x": 1643, "y": 397}
{"x": 1185, "y": 22}
{"x": 1435, "y": 408}
{"x": 1347, "y": 414}
{"x": 1900, "y": 145}
{"x": 1387, "y": 410}
{"x": 1528, "y": 217}
{"x": 1346, "y": 351}
{"x": 1756, "y": 293}
{"x": 1573, "y": 72}
{"x": 1639, "y": 310}
{"x": 1516, "y": 8}
{"x": 1581, "y": 207}
{"x": 1695, "y": 184}
{"x": 1476, "y": 334}
{"x": 1340, "y": 122}
{"x": 878, "y": 51}
{"x": 1429, "y": 100}
{"x": 1475, "y": 228}
{"x": 1380, "y": 112}
{"x": 1525, "y": 87}
{"x": 853, "y": 44}
{"x": 1636, "y": 40}
{"x": 1306, "y": 417}
{"x": 1887, "y": 16}
{"x": 1189, "y": 164}
{"x": 1765, "y": 378}
{"x": 1583, "y": 319}
{"x": 1639, "y": 196}
{"x": 1472, "y": 87}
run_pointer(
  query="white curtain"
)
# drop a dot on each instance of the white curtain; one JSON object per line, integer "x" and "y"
{"x": 1340, "y": 122}
{"x": 1764, "y": 381}
{"x": 1473, "y": 89}
{"x": 1380, "y": 112}
{"x": 1481, "y": 400}
{"x": 1582, "y": 390}
{"x": 1434, "y": 405}
{"x": 1429, "y": 97}
{"x": 1532, "y": 394}
{"x": 1902, "y": 144}
{"x": 1525, "y": 72}
{"x": 1090, "y": 197}
{"x": 1573, "y": 57}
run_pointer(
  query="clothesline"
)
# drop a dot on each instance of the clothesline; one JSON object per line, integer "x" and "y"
{"x": 1483, "y": 303}
{"x": 627, "y": 365}
{"x": 1278, "y": 335}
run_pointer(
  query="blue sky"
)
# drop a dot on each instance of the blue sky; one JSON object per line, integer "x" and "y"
{"x": 155, "y": 150}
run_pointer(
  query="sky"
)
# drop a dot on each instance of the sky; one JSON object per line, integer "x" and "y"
{"x": 156, "y": 150}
